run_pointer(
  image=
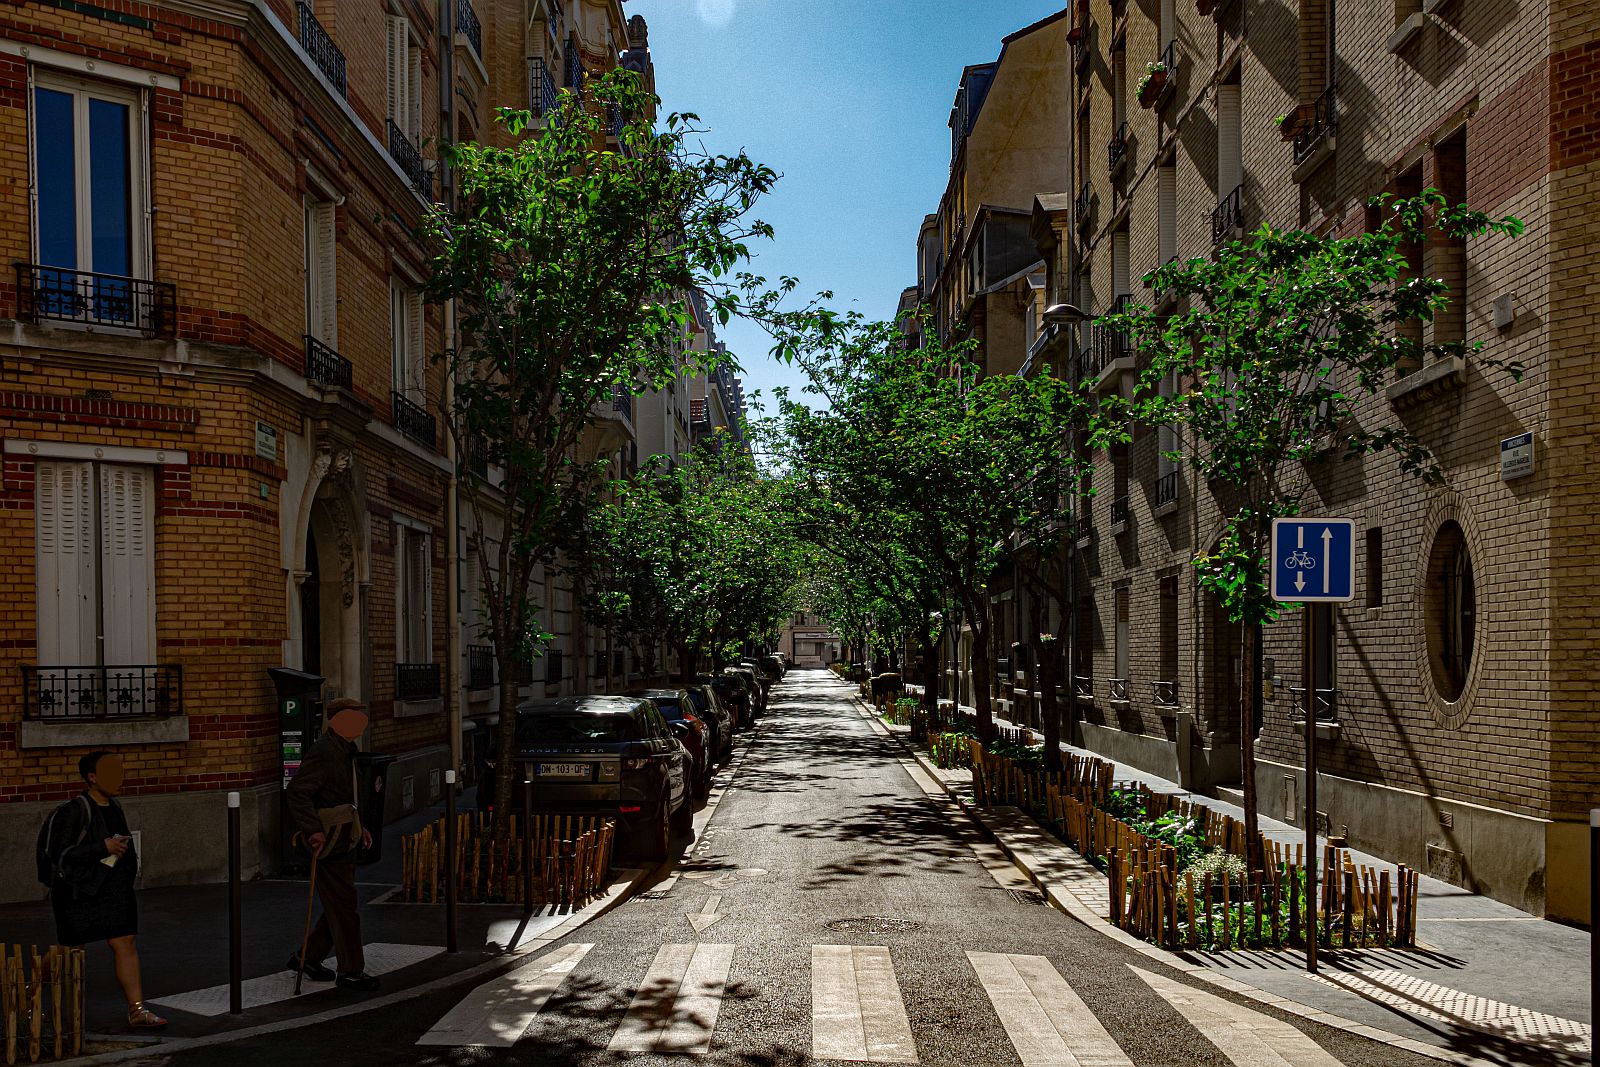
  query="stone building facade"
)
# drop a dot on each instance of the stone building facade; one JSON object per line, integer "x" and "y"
{"x": 1456, "y": 694}
{"x": 220, "y": 418}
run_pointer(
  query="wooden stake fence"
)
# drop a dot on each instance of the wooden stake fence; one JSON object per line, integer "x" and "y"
{"x": 571, "y": 860}
{"x": 36, "y": 1024}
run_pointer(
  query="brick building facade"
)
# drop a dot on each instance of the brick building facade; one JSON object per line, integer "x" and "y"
{"x": 1457, "y": 691}
{"x": 220, "y": 418}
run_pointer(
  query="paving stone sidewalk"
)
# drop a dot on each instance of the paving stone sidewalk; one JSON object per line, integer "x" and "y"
{"x": 1489, "y": 984}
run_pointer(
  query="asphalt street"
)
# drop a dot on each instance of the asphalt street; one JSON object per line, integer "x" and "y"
{"x": 856, "y": 912}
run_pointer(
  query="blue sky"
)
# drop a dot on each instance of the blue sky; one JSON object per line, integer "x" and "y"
{"x": 848, "y": 100}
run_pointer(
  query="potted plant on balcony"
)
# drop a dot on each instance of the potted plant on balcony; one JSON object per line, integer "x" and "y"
{"x": 1153, "y": 84}
{"x": 1292, "y": 122}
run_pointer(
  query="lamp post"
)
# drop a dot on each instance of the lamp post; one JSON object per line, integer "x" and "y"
{"x": 1061, "y": 316}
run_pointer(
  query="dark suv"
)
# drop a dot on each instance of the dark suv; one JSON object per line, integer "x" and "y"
{"x": 734, "y": 695}
{"x": 607, "y": 755}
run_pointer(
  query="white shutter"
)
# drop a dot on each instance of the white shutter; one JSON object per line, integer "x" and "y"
{"x": 415, "y": 577}
{"x": 66, "y": 563}
{"x": 327, "y": 320}
{"x": 398, "y": 67}
{"x": 127, "y": 563}
{"x": 1169, "y": 22}
{"x": 1167, "y": 204}
{"x": 413, "y": 97}
{"x": 397, "y": 336}
{"x": 402, "y": 568}
{"x": 1229, "y": 173}
{"x": 1119, "y": 264}
{"x": 416, "y": 350}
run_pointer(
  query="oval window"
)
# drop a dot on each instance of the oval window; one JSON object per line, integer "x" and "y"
{"x": 1452, "y": 611}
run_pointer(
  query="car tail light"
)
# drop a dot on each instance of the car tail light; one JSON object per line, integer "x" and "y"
{"x": 630, "y": 809}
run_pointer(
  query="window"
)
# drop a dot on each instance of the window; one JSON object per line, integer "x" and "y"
{"x": 1450, "y": 253}
{"x": 1408, "y": 334}
{"x": 405, "y": 78}
{"x": 88, "y": 195}
{"x": 1375, "y": 566}
{"x": 1120, "y": 274}
{"x": 322, "y": 313}
{"x": 413, "y": 592}
{"x": 1167, "y": 439}
{"x": 1169, "y": 633}
{"x": 1167, "y": 212}
{"x": 95, "y": 543}
{"x": 1230, "y": 168}
{"x": 1120, "y": 649}
{"x": 407, "y": 355}
{"x": 1452, "y": 608}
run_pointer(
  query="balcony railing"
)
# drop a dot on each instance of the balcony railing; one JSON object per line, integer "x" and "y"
{"x": 410, "y": 160}
{"x": 468, "y": 26}
{"x": 622, "y": 402}
{"x": 1228, "y": 216}
{"x": 541, "y": 88}
{"x": 416, "y": 681}
{"x": 82, "y": 296}
{"x": 320, "y": 47}
{"x": 1327, "y": 703}
{"x": 90, "y": 693}
{"x": 325, "y": 367}
{"x": 413, "y": 420}
{"x": 1119, "y": 690}
{"x": 1119, "y": 513}
{"x": 1117, "y": 150}
{"x": 480, "y": 666}
{"x": 1167, "y": 489}
{"x": 699, "y": 413}
{"x": 1165, "y": 694}
{"x": 1080, "y": 57}
{"x": 1324, "y": 120}
{"x": 1081, "y": 206}
{"x": 574, "y": 71}
{"x": 1083, "y": 685}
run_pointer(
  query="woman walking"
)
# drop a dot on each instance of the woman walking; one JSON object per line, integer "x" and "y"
{"x": 92, "y": 890}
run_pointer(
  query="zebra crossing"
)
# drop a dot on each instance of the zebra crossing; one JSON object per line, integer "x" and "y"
{"x": 858, "y": 1013}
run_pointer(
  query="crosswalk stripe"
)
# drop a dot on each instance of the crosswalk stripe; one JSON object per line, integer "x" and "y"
{"x": 1048, "y": 1023}
{"x": 381, "y": 958}
{"x": 495, "y": 1014}
{"x": 1248, "y": 1038}
{"x": 676, "y": 1007}
{"x": 856, "y": 1010}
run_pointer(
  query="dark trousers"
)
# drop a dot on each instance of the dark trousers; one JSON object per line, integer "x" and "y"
{"x": 338, "y": 928}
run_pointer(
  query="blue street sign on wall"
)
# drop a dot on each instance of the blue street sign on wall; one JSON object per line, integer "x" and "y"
{"x": 1314, "y": 560}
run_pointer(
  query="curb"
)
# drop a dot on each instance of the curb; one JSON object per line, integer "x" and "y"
{"x": 1064, "y": 900}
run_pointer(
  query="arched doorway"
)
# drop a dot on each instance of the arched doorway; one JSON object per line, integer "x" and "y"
{"x": 329, "y": 567}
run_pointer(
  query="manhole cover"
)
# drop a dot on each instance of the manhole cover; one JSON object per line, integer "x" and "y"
{"x": 874, "y": 924}
{"x": 1027, "y": 896}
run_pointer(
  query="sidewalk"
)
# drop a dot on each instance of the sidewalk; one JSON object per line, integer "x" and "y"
{"x": 1488, "y": 985}
{"x": 183, "y": 946}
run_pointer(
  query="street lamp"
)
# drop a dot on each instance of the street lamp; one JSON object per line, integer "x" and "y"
{"x": 1065, "y": 315}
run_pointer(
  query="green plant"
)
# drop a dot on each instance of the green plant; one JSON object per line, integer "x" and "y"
{"x": 1028, "y": 759}
{"x": 1217, "y": 863}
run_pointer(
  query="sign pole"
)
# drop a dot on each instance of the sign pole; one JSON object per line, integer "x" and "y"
{"x": 235, "y": 907}
{"x": 1307, "y": 637}
{"x": 451, "y": 866}
{"x": 1594, "y": 932}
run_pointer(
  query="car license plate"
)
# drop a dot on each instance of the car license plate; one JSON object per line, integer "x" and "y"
{"x": 561, "y": 770}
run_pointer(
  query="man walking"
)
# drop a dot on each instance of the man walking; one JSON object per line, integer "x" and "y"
{"x": 321, "y": 803}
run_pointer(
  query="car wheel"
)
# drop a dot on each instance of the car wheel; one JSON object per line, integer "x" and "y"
{"x": 683, "y": 818}
{"x": 658, "y": 839}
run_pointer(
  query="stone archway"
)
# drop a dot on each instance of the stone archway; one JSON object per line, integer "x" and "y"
{"x": 330, "y": 566}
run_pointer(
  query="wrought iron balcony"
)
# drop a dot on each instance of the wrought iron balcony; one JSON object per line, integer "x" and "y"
{"x": 480, "y": 666}
{"x": 325, "y": 367}
{"x": 1119, "y": 690}
{"x": 541, "y": 88}
{"x": 1167, "y": 489}
{"x": 574, "y": 71}
{"x": 1117, "y": 149}
{"x": 1327, "y": 703}
{"x": 1228, "y": 216}
{"x": 410, "y": 160}
{"x": 95, "y": 693}
{"x": 1083, "y": 685}
{"x": 320, "y": 47}
{"x": 622, "y": 402}
{"x": 65, "y": 295}
{"x": 699, "y": 414}
{"x": 413, "y": 420}
{"x": 1119, "y": 513}
{"x": 1323, "y": 120}
{"x": 416, "y": 681}
{"x": 1081, "y": 206}
{"x": 468, "y": 26}
{"x": 1080, "y": 57}
{"x": 1165, "y": 694}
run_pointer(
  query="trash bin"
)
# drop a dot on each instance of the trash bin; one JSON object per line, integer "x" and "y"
{"x": 372, "y": 789}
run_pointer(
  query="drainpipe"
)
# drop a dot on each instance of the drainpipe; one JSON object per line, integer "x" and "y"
{"x": 452, "y": 506}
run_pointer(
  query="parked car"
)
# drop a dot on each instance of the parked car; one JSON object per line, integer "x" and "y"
{"x": 709, "y": 707}
{"x": 607, "y": 755}
{"x": 693, "y": 731}
{"x": 758, "y": 692}
{"x": 734, "y": 695}
{"x": 766, "y": 674}
{"x": 777, "y": 662}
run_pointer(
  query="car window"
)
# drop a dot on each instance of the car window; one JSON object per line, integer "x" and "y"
{"x": 701, "y": 701}
{"x": 573, "y": 729}
{"x": 670, "y": 707}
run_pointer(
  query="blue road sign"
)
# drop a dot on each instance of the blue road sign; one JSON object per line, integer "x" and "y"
{"x": 1314, "y": 560}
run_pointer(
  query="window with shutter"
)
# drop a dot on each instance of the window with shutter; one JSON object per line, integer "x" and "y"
{"x": 321, "y": 242}
{"x": 127, "y": 555}
{"x": 414, "y": 596}
{"x": 413, "y": 97}
{"x": 1167, "y": 212}
{"x": 399, "y": 68}
{"x": 1230, "y": 172}
{"x": 67, "y": 562}
{"x": 416, "y": 351}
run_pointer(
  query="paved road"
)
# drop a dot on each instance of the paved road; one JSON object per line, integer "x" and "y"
{"x": 822, "y": 831}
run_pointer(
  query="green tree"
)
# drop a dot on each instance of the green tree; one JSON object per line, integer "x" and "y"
{"x": 562, "y": 259}
{"x": 1283, "y": 337}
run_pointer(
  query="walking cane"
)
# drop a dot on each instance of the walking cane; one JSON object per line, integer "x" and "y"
{"x": 305, "y": 938}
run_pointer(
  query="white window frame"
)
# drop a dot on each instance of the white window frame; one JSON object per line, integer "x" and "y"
{"x": 404, "y": 77}
{"x": 413, "y": 593}
{"x": 82, "y": 89}
{"x": 321, "y": 267}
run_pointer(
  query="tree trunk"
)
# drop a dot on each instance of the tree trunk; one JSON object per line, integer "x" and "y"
{"x": 506, "y": 742}
{"x": 929, "y": 659}
{"x": 982, "y": 673}
{"x": 1248, "y": 716}
{"x": 1045, "y": 674}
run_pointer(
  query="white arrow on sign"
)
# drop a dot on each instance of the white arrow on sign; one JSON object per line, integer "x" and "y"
{"x": 1327, "y": 557}
{"x": 708, "y": 916}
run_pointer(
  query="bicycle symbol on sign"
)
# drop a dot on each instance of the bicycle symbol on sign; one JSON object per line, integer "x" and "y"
{"x": 1300, "y": 560}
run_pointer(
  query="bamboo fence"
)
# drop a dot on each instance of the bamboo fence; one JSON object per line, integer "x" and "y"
{"x": 571, "y": 860}
{"x": 1354, "y": 905}
{"x": 41, "y": 1002}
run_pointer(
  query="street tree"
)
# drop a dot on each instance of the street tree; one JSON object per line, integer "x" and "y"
{"x": 570, "y": 266}
{"x": 1281, "y": 339}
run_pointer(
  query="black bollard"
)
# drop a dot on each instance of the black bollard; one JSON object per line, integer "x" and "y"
{"x": 1594, "y": 932}
{"x": 450, "y": 866}
{"x": 235, "y": 908}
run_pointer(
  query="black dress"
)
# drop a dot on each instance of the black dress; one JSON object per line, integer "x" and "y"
{"x": 85, "y": 913}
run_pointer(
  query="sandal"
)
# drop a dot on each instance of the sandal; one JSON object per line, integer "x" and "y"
{"x": 142, "y": 1018}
